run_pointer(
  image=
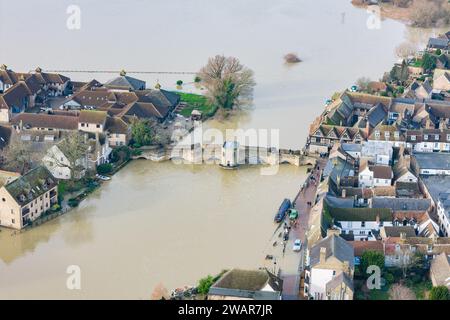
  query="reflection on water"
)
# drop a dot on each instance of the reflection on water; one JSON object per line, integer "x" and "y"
{"x": 157, "y": 222}
{"x": 154, "y": 222}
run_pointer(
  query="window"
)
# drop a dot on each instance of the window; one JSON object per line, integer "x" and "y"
{"x": 82, "y": 124}
{"x": 413, "y": 138}
{"x": 98, "y": 126}
{"x": 13, "y": 220}
{"x": 425, "y": 137}
{"x": 377, "y": 134}
{"x": 363, "y": 224}
{"x": 3, "y": 199}
{"x": 387, "y": 134}
{"x": 436, "y": 137}
{"x": 448, "y": 137}
{"x": 396, "y": 134}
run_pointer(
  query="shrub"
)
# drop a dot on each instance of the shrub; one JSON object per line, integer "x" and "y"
{"x": 121, "y": 154}
{"x": 370, "y": 258}
{"x": 389, "y": 278}
{"x": 104, "y": 168}
{"x": 439, "y": 293}
{"x": 55, "y": 208}
{"x": 438, "y": 52}
{"x": 179, "y": 82}
{"x": 197, "y": 79}
{"x": 73, "y": 202}
{"x": 204, "y": 284}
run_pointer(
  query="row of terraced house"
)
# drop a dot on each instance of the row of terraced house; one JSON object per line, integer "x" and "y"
{"x": 386, "y": 185}
{"x": 42, "y": 109}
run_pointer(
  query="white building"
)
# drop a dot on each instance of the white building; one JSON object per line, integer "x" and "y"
{"x": 330, "y": 269}
{"x": 230, "y": 154}
{"x": 376, "y": 152}
{"x": 374, "y": 176}
{"x": 59, "y": 165}
{"x": 443, "y": 211}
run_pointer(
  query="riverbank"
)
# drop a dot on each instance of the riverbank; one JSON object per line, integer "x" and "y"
{"x": 388, "y": 11}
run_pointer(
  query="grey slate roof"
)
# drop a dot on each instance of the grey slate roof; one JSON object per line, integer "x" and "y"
{"x": 341, "y": 168}
{"x": 335, "y": 246}
{"x": 402, "y": 204}
{"x": 437, "y": 185}
{"x": 247, "y": 284}
{"x": 438, "y": 43}
{"x": 433, "y": 160}
{"x": 336, "y": 202}
{"x": 395, "y": 231}
{"x": 376, "y": 115}
{"x": 126, "y": 82}
{"x": 338, "y": 280}
{"x": 351, "y": 147}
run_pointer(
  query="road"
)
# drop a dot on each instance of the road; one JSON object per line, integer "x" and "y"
{"x": 291, "y": 263}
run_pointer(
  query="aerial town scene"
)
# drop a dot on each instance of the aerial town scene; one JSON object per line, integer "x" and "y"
{"x": 225, "y": 150}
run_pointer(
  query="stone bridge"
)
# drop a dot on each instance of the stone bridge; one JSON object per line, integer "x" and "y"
{"x": 213, "y": 153}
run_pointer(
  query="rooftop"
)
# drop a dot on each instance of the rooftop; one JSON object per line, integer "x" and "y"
{"x": 335, "y": 246}
{"x": 31, "y": 185}
{"x": 43, "y": 120}
{"x": 433, "y": 160}
{"x": 92, "y": 116}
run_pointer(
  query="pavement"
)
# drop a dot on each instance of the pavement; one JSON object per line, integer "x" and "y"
{"x": 292, "y": 263}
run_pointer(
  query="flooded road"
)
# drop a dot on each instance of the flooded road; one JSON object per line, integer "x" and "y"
{"x": 163, "y": 223}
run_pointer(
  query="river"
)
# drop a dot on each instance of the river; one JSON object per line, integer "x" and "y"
{"x": 173, "y": 224}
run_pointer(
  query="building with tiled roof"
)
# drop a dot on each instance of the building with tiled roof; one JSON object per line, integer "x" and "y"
{"x": 43, "y": 121}
{"x": 238, "y": 284}
{"x": 440, "y": 270}
{"x": 330, "y": 265}
{"x": 27, "y": 197}
{"x": 125, "y": 83}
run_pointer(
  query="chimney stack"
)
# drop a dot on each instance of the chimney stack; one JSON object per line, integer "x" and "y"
{"x": 333, "y": 231}
{"x": 402, "y": 236}
{"x": 323, "y": 254}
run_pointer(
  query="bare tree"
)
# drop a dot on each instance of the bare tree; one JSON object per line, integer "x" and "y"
{"x": 405, "y": 50}
{"x": 18, "y": 156}
{"x": 400, "y": 292}
{"x": 363, "y": 84}
{"x": 430, "y": 13}
{"x": 229, "y": 84}
{"x": 74, "y": 149}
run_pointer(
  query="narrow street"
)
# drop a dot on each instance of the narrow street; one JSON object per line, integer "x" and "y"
{"x": 293, "y": 263}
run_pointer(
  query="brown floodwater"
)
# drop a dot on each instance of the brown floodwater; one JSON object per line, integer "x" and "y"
{"x": 173, "y": 224}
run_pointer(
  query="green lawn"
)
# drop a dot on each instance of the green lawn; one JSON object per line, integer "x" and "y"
{"x": 196, "y": 101}
{"x": 417, "y": 63}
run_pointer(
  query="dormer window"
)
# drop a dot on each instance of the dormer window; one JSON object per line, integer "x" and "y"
{"x": 387, "y": 134}
{"x": 448, "y": 137}
{"x": 425, "y": 137}
{"x": 413, "y": 138}
{"x": 436, "y": 137}
{"x": 396, "y": 134}
{"x": 377, "y": 134}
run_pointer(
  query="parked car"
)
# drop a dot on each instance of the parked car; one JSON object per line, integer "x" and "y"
{"x": 104, "y": 178}
{"x": 297, "y": 245}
